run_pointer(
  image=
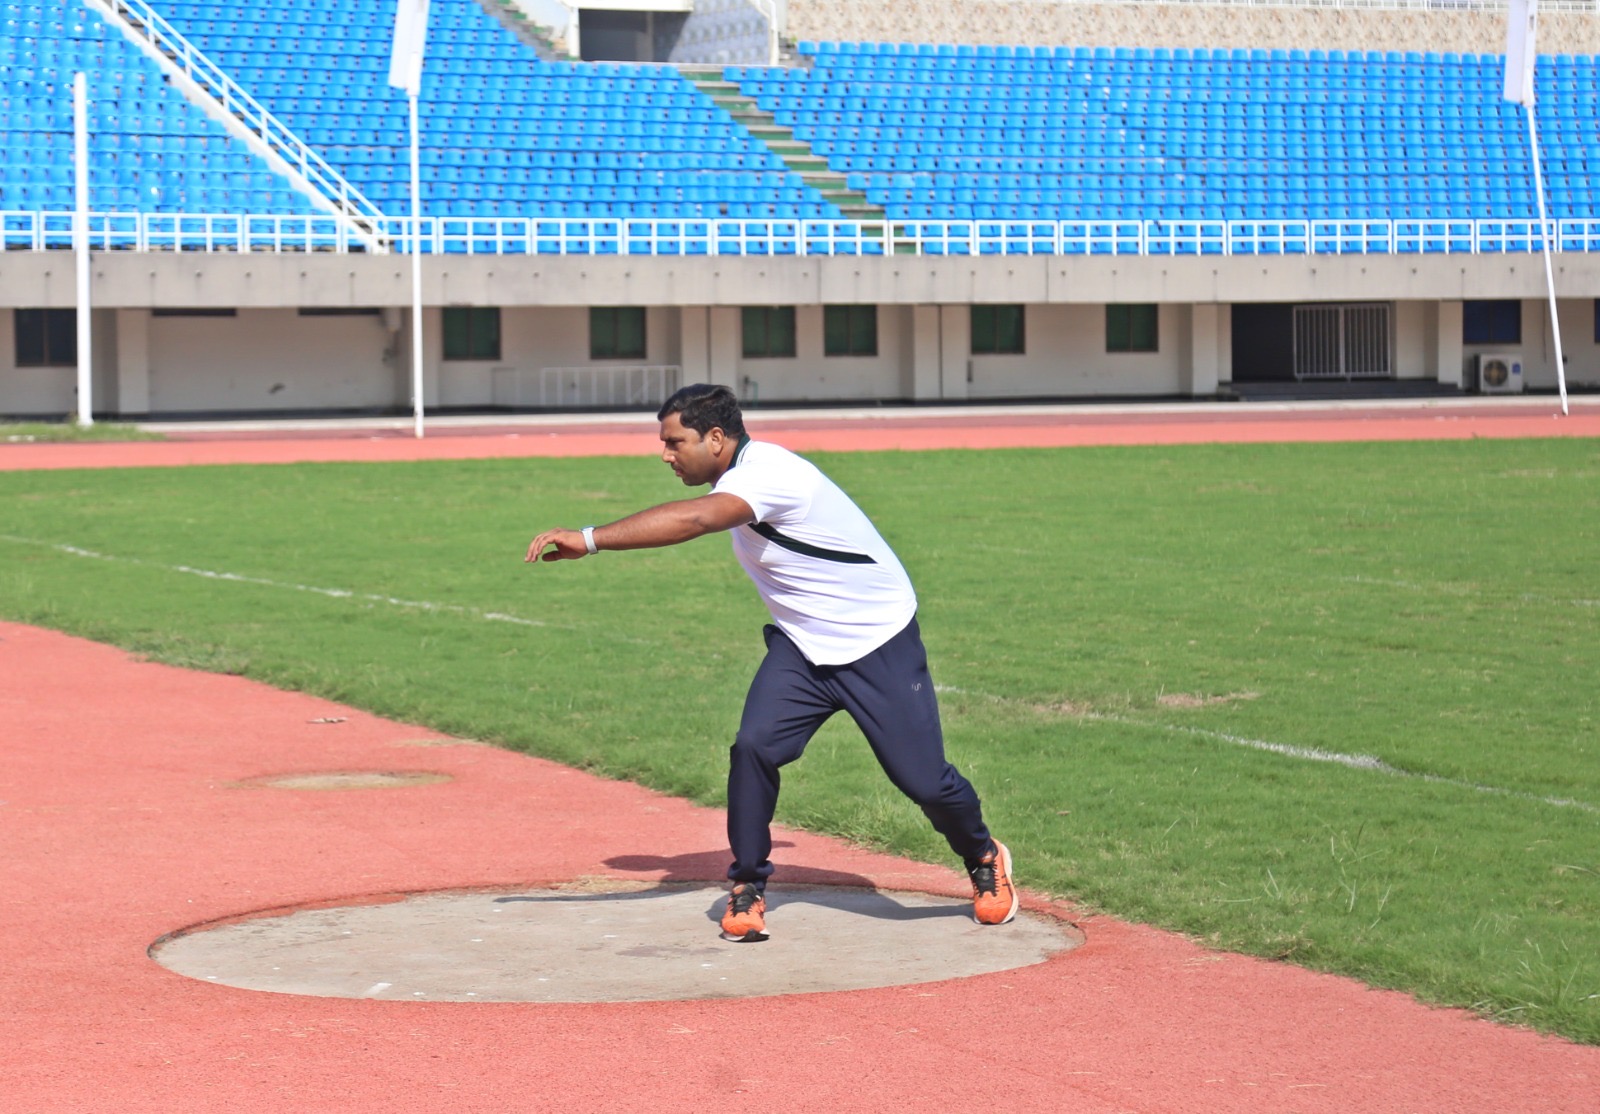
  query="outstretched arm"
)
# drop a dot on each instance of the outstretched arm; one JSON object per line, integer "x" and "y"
{"x": 666, "y": 524}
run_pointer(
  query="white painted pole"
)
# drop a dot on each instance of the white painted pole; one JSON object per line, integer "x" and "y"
{"x": 416, "y": 246}
{"x": 80, "y": 240}
{"x": 1522, "y": 62}
{"x": 1549, "y": 270}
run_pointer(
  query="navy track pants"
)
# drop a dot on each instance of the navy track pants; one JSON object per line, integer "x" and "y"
{"x": 889, "y": 694}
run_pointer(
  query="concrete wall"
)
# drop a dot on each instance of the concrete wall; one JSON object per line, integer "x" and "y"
{"x": 132, "y": 280}
{"x": 1578, "y": 331}
{"x": 269, "y": 357}
{"x": 1210, "y": 348}
{"x": 1538, "y": 350}
{"x": 31, "y": 390}
{"x": 275, "y": 359}
{"x": 812, "y": 375}
{"x": 53, "y": 391}
{"x": 724, "y": 33}
{"x": 1413, "y": 341}
{"x": 1065, "y": 356}
{"x": 532, "y": 339}
{"x": 1076, "y": 23}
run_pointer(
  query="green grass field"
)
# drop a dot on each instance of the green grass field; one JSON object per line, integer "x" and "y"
{"x": 1332, "y": 704}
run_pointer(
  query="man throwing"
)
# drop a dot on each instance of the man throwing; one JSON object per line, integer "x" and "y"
{"x": 845, "y": 637}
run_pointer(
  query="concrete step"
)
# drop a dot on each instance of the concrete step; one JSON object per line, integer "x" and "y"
{"x": 535, "y": 35}
{"x": 778, "y": 138}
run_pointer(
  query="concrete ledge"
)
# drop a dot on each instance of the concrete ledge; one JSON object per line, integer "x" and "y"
{"x": 159, "y": 279}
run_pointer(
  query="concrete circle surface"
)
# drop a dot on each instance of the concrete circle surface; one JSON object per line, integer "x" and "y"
{"x": 660, "y": 943}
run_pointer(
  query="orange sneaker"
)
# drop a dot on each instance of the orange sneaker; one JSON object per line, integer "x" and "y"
{"x": 994, "y": 898}
{"x": 745, "y": 919}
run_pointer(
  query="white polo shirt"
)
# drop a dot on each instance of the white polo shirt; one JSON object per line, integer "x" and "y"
{"x": 832, "y": 583}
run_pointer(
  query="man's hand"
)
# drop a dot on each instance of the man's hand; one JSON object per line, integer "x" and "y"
{"x": 568, "y": 546}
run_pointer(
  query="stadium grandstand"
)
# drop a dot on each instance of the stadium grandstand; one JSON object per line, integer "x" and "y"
{"x": 929, "y": 201}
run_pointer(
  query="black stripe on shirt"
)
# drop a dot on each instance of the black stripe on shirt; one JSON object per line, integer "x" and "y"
{"x": 795, "y": 545}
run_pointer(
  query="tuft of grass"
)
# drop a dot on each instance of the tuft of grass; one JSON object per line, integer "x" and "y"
{"x": 20, "y": 433}
{"x": 1327, "y": 704}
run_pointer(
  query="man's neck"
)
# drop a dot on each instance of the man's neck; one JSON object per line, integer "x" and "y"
{"x": 733, "y": 457}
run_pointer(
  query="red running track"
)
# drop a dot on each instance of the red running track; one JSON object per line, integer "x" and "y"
{"x": 121, "y": 822}
{"x": 909, "y": 430}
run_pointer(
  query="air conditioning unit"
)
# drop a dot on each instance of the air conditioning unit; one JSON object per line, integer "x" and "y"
{"x": 1499, "y": 374}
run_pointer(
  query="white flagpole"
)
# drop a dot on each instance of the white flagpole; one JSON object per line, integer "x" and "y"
{"x": 416, "y": 247}
{"x": 1549, "y": 271}
{"x": 80, "y": 239}
{"x": 1522, "y": 26}
{"x": 405, "y": 72}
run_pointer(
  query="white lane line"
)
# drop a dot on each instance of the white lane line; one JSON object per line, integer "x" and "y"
{"x": 1367, "y": 762}
{"x": 236, "y": 578}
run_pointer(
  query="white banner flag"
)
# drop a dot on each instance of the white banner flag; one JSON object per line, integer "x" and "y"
{"x": 1521, "y": 24}
{"x": 410, "y": 40}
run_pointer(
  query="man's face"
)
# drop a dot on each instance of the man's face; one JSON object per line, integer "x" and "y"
{"x": 693, "y": 457}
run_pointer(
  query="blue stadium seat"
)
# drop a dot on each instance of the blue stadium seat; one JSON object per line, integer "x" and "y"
{"x": 629, "y": 118}
{"x": 931, "y": 131}
{"x": 129, "y": 143}
{"x": 1259, "y": 114}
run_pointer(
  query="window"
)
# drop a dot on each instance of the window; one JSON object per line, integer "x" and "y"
{"x": 850, "y": 330}
{"x": 47, "y": 337}
{"x": 190, "y": 311}
{"x": 1491, "y": 322}
{"x": 616, "y": 333}
{"x": 340, "y": 311}
{"x": 1131, "y": 329}
{"x": 998, "y": 331}
{"x": 471, "y": 333}
{"x": 768, "y": 332}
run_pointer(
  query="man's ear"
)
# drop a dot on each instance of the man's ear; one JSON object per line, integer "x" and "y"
{"x": 716, "y": 437}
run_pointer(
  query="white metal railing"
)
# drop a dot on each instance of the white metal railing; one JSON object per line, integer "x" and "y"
{"x": 638, "y": 236}
{"x": 601, "y": 385}
{"x": 283, "y": 142}
{"x": 249, "y": 232}
{"x": 197, "y": 232}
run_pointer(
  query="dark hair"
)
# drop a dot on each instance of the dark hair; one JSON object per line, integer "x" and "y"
{"x": 703, "y": 407}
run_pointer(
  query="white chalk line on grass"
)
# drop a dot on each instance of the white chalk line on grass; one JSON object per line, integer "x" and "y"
{"x": 237, "y": 578}
{"x": 1368, "y": 762}
{"x": 1454, "y": 589}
